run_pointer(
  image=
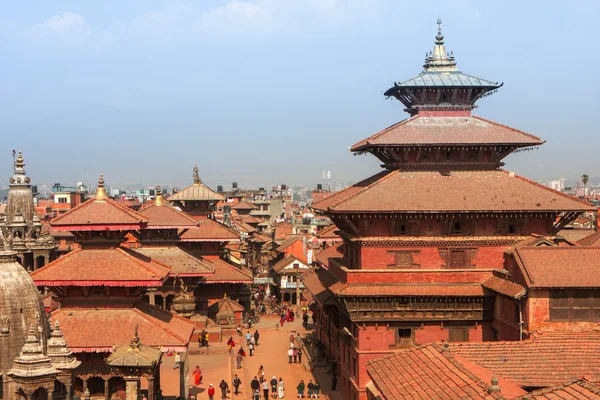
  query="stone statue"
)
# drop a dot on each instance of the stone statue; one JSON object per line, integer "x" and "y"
{"x": 196, "y": 176}
{"x": 4, "y": 324}
{"x": 182, "y": 286}
{"x": 7, "y": 237}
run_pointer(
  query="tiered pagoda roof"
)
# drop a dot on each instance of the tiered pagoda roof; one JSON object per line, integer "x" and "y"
{"x": 243, "y": 205}
{"x": 209, "y": 230}
{"x": 455, "y": 191}
{"x": 198, "y": 191}
{"x": 162, "y": 215}
{"x": 100, "y": 214}
{"x": 99, "y": 329}
{"x": 113, "y": 266}
{"x": 181, "y": 262}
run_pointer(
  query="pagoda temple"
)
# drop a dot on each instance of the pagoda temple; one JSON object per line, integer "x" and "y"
{"x": 192, "y": 249}
{"x": 99, "y": 286}
{"x": 20, "y": 222}
{"x": 424, "y": 241}
{"x": 197, "y": 200}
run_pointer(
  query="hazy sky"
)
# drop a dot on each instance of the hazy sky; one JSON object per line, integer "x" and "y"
{"x": 273, "y": 91}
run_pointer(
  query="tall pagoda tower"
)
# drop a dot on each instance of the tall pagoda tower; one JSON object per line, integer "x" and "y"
{"x": 422, "y": 257}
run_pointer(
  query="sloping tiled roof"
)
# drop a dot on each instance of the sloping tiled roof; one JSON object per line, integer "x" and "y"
{"x": 457, "y": 191}
{"x": 102, "y": 267}
{"x": 429, "y": 372}
{"x": 323, "y": 257}
{"x": 243, "y": 205}
{"x": 98, "y": 329}
{"x": 556, "y": 267}
{"x": 249, "y": 219}
{"x": 447, "y": 78}
{"x": 166, "y": 216}
{"x": 317, "y": 282}
{"x": 504, "y": 287}
{"x": 181, "y": 262}
{"x": 288, "y": 242}
{"x": 328, "y": 232}
{"x": 243, "y": 227}
{"x": 575, "y": 234}
{"x": 227, "y": 273}
{"x": 283, "y": 230}
{"x": 547, "y": 359}
{"x": 592, "y": 240}
{"x": 284, "y": 262}
{"x": 581, "y": 389}
{"x": 197, "y": 191}
{"x": 99, "y": 215}
{"x": 209, "y": 230}
{"x": 422, "y": 131}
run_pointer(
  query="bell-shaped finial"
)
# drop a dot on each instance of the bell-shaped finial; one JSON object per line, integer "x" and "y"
{"x": 159, "y": 198}
{"x": 101, "y": 192}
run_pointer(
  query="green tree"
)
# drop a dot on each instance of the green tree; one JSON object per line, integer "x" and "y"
{"x": 584, "y": 180}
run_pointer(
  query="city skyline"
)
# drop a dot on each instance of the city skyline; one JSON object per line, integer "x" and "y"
{"x": 145, "y": 93}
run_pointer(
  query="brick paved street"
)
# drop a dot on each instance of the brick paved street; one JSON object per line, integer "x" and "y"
{"x": 271, "y": 353}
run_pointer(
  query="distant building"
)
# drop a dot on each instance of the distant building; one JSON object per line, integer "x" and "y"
{"x": 558, "y": 184}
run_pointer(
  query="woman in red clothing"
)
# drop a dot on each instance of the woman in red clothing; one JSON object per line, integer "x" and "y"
{"x": 231, "y": 344}
{"x": 197, "y": 376}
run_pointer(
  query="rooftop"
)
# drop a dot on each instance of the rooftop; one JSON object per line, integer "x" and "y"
{"x": 209, "y": 230}
{"x": 455, "y": 191}
{"x": 197, "y": 191}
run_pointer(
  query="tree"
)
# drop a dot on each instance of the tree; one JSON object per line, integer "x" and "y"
{"x": 584, "y": 180}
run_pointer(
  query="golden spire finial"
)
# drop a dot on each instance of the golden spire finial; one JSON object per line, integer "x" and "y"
{"x": 159, "y": 198}
{"x": 101, "y": 192}
{"x": 196, "y": 176}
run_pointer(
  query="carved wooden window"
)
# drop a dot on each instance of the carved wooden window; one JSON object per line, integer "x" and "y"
{"x": 404, "y": 337}
{"x": 458, "y": 259}
{"x": 574, "y": 305}
{"x": 458, "y": 334}
{"x": 404, "y": 259}
{"x": 457, "y": 228}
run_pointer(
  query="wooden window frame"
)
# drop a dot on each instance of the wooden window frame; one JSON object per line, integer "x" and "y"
{"x": 589, "y": 296}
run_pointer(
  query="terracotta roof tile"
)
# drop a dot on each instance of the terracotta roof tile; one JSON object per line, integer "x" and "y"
{"x": 99, "y": 215}
{"x": 98, "y": 329}
{"x": 556, "y": 267}
{"x": 421, "y": 131}
{"x": 209, "y": 230}
{"x": 504, "y": 287}
{"x": 198, "y": 192}
{"x": 329, "y": 232}
{"x": 102, "y": 267}
{"x": 428, "y": 372}
{"x": 242, "y": 227}
{"x": 575, "y": 234}
{"x": 317, "y": 283}
{"x": 286, "y": 261}
{"x": 250, "y": 220}
{"x": 180, "y": 261}
{"x": 547, "y": 359}
{"x": 288, "y": 242}
{"x": 167, "y": 216}
{"x": 283, "y": 230}
{"x": 331, "y": 252}
{"x": 580, "y": 389}
{"x": 243, "y": 205}
{"x": 431, "y": 191}
{"x": 227, "y": 273}
{"x": 592, "y": 240}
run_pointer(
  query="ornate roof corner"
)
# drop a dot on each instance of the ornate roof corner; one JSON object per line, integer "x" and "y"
{"x": 101, "y": 192}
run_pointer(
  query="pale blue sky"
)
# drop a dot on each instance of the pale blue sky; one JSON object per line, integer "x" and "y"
{"x": 269, "y": 91}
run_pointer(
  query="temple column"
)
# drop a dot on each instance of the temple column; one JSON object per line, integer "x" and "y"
{"x": 46, "y": 260}
{"x": 84, "y": 384}
{"x": 151, "y": 296}
{"x": 151, "y": 391}
{"x": 106, "y": 389}
{"x": 50, "y": 394}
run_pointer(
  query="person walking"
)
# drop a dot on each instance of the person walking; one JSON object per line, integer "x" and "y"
{"x": 316, "y": 390}
{"x": 200, "y": 339}
{"x": 300, "y": 389}
{"x": 252, "y": 341}
{"x": 273, "y": 383}
{"x": 211, "y": 392}
{"x": 295, "y": 354}
{"x": 280, "y": 392}
{"x": 236, "y": 384}
{"x": 310, "y": 390}
{"x": 256, "y": 395}
{"x": 261, "y": 374}
{"x": 238, "y": 360}
{"x": 255, "y": 385}
{"x": 224, "y": 389}
{"x": 251, "y": 349}
{"x": 256, "y": 336}
{"x": 299, "y": 355}
{"x": 206, "y": 339}
{"x": 248, "y": 336}
{"x": 333, "y": 383}
{"x": 197, "y": 376}
{"x": 231, "y": 345}
{"x": 305, "y": 320}
{"x": 265, "y": 388}
{"x": 290, "y": 354}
